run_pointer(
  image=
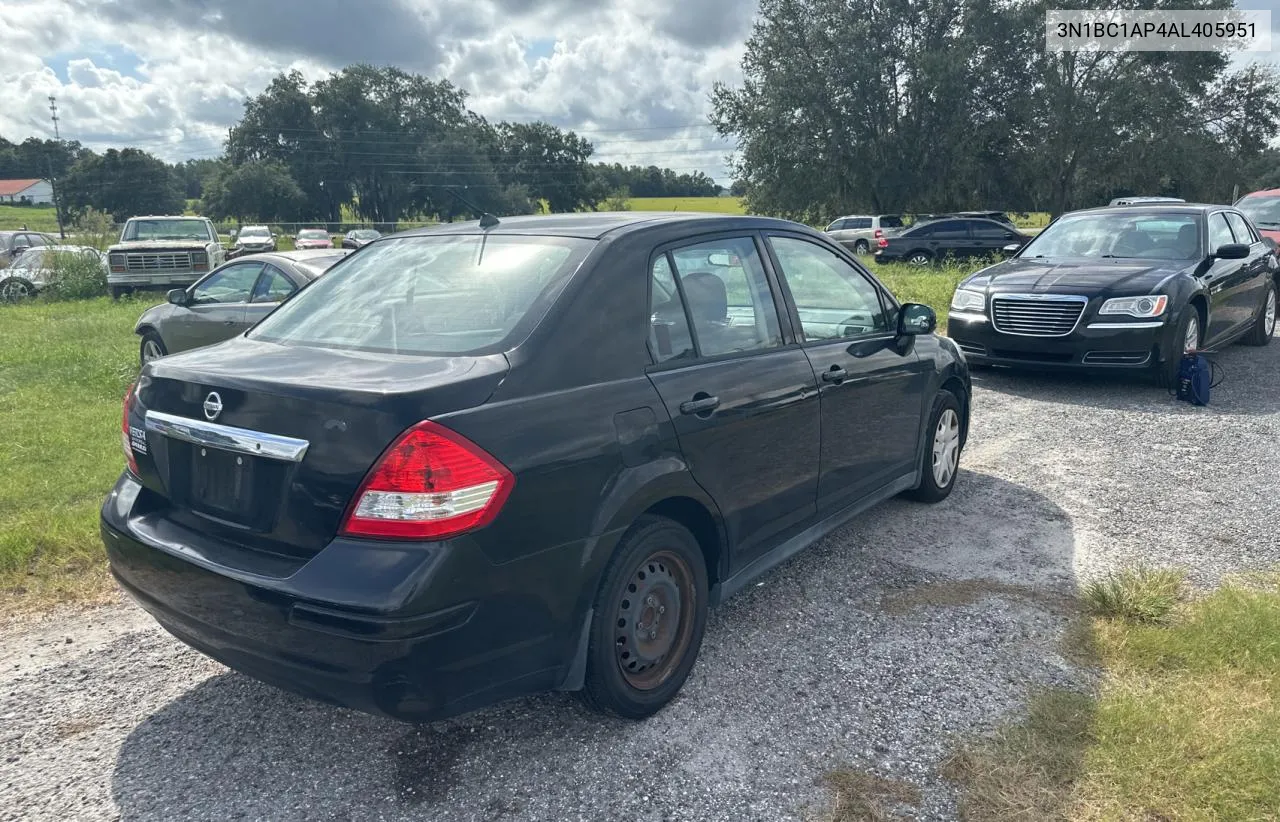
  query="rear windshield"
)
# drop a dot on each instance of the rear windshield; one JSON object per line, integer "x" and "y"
{"x": 165, "y": 230}
{"x": 313, "y": 267}
{"x": 452, "y": 294}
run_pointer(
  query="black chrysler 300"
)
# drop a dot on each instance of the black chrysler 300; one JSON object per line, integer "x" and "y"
{"x": 481, "y": 461}
{"x": 1121, "y": 287}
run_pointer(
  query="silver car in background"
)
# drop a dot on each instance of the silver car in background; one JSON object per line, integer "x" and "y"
{"x": 33, "y": 270}
{"x": 859, "y": 233}
{"x": 253, "y": 239}
{"x": 228, "y": 301}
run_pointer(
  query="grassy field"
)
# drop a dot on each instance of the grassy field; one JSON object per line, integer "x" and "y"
{"x": 64, "y": 368}
{"x": 1184, "y": 726}
{"x": 718, "y": 205}
{"x": 36, "y": 218}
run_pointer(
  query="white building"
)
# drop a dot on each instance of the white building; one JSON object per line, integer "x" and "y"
{"x": 36, "y": 192}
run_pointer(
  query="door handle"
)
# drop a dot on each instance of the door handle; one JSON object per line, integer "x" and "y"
{"x": 835, "y": 374}
{"x": 700, "y": 404}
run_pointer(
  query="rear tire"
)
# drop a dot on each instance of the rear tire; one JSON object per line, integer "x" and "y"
{"x": 1265, "y": 324}
{"x": 944, "y": 439}
{"x": 919, "y": 258}
{"x": 861, "y": 247}
{"x": 649, "y": 617}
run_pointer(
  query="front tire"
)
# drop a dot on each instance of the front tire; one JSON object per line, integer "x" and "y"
{"x": 1188, "y": 335}
{"x": 944, "y": 439}
{"x": 650, "y": 614}
{"x": 1265, "y": 324}
{"x": 16, "y": 289}
{"x": 151, "y": 348}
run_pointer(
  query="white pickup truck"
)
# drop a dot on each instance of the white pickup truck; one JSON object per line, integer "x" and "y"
{"x": 162, "y": 252}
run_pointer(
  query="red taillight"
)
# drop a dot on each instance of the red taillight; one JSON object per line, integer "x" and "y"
{"x": 124, "y": 431}
{"x": 883, "y": 243}
{"x": 430, "y": 484}
{"x": 879, "y": 233}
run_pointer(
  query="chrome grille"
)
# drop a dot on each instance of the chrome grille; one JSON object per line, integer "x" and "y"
{"x": 1038, "y": 315}
{"x": 163, "y": 261}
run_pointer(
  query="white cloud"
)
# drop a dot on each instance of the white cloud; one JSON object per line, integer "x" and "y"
{"x": 634, "y": 76}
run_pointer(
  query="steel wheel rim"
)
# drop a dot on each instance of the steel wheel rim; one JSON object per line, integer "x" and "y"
{"x": 150, "y": 351}
{"x": 653, "y": 620}
{"x": 946, "y": 448}
{"x": 1270, "y": 321}
{"x": 1191, "y": 340}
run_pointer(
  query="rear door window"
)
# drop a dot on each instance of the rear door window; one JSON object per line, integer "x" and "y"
{"x": 727, "y": 296}
{"x": 273, "y": 286}
{"x": 951, "y": 230}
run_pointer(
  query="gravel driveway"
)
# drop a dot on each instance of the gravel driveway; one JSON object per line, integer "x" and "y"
{"x": 861, "y": 651}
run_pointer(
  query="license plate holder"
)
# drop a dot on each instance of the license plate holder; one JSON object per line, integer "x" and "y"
{"x": 222, "y": 482}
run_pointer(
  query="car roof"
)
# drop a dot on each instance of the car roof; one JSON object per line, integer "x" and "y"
{"x": 596, "y": 225}
{"x": 1157, "y": 208}
{"x": 1266, "y": 192}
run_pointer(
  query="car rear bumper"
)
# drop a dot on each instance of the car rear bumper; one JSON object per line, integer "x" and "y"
{"x": 1118, "y": 343}
{"x": 417, "y": 632}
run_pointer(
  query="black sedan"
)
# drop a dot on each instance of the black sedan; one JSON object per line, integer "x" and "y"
{"x": 948, "y": 239}
{"x": 1122, "y": 288}
{"x": 484, "y": 460}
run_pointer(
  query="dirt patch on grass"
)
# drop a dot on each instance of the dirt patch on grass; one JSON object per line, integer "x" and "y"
{"x": 859, "y": 796}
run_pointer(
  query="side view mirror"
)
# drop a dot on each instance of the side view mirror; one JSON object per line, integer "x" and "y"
{"x": 1232, "y": 251}
{"x": 915, "y": 319}
{"x": 18, "y": 249}
{"x": 177, "y": 296}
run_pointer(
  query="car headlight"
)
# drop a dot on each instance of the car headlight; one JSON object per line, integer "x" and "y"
{"x": 1149, "y": 306}
{"x": 965, "y": 300}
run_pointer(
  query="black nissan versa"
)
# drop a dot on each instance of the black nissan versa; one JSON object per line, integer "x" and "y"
{"x": 1121, "y": 288}
{"x": 485, "y": 460}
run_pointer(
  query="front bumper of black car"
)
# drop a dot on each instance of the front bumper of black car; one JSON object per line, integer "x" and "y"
{"x": 1096, "y": 343}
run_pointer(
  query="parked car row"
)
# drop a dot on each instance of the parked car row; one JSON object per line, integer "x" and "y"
{"x": 33, "y": 270}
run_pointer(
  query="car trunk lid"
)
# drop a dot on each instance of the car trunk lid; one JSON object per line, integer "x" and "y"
{"x": 266, "y": 444}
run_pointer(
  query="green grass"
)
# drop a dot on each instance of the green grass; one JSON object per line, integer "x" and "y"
{"x": 1185, "y": 724}
{"x": 36, "y": 218}
{"x": 64, "y": 368}
{"x": 1137, "y": 594}
{"x": 718, "y": 205}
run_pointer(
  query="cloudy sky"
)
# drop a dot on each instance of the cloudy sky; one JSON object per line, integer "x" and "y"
{"x": 170, "y": 76}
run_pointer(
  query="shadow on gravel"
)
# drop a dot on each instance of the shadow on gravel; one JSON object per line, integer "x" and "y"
{"x": 853, "y": 653}
{"x": 1250, "y": 385}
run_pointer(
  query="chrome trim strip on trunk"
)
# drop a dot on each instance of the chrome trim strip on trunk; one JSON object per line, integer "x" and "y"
{"x": 240, "y": 440}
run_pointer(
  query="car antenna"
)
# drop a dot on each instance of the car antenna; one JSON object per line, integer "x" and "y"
{"x": 487, "y": 220}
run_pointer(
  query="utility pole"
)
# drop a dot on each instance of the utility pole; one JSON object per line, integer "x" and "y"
{"x": 53, "y": 109}
{"x": 57, "y": 206}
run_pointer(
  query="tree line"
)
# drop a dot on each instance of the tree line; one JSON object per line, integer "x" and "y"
{"x": 851, "y": 106}
{"x": 383, "y": 143}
